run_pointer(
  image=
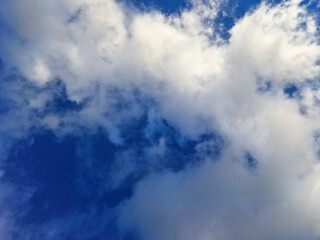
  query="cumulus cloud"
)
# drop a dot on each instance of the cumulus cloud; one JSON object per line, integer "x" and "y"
{"x": 114, "y": 64}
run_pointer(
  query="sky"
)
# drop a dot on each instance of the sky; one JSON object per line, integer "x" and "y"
{"x": 159, "y": 120}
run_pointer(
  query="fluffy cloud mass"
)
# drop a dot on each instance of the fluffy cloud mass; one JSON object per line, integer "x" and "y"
{"x": 257, "y": 92}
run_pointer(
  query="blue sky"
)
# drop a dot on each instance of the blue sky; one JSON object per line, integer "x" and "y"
{"x": 159, "y": 120}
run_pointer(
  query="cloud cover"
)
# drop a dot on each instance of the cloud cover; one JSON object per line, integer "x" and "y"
{"x": 116, "y": 64}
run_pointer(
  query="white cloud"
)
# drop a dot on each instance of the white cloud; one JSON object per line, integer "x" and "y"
{"x": 223, "y": 201}
{"x": 199, "y": 86}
